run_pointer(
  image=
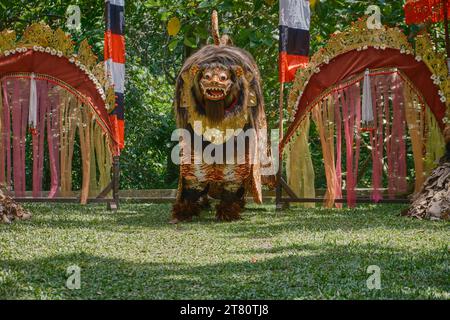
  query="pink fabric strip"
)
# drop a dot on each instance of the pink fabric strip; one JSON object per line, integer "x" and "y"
{"x": 376, "y": 139}
{"x": 37, "y": 176}
{"x": 24, "y": 108}
{"x": 357, "y": 131}
{"x": 348, "y": 119}
{"x": 398, "y": 131}
{"x": 338, "y": 121}
{"x": 53, "y": 140}
{"x": 43, "y": 109}
{"x": 35, "y": 141}
{"x": 7, "y": 129}
{"x": 39, "y": 138}
{"x": 355, "y": 140}
{"x": 393, "y": 168}
{"x": 380, "y": 141}
{"x": 18, "y": 166}
{"x": 4, "y": 133}
{"x": 389, "y": 138}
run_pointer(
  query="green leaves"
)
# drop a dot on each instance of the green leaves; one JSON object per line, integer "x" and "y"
{"x": 205, "y": 4}
{"x": 190, "y": 42}
{"x": 173, "y": 44}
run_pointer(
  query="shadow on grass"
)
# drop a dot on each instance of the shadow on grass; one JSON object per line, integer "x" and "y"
{"x": 319, "y": 220}
{"x": 258, "y": 221}
{"x": 307, "y": 272}
{"x": 137, "y": 216}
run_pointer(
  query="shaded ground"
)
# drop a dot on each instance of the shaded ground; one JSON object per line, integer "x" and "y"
{"x": 300, "y": 254}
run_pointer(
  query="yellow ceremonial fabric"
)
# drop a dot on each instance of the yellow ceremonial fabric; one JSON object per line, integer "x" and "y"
{"x": 85, "y": 145}
{"x": 68, "y": 121}
{"x": 435, "y": 144}
{"x": 299, "y": 168}
{"x": 103, "y": 156}
{"x": 415, "y": 119}
{"x": 2, "y": 147}
{"x": 96, "y": 157}
{"x": 323, "y": 116}
{"x": 94, "y": 188}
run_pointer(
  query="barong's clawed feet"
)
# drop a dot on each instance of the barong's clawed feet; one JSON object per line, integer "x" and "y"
{"x": 231, "y": 205}
{"x": 184, "y": 210}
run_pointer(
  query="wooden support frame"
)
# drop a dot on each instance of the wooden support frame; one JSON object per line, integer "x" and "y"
{"x": 283, "y": 203}
{"x": 112, "y": 204}
{"x": 113, "y": 186}
{"x": 279, "y": 188}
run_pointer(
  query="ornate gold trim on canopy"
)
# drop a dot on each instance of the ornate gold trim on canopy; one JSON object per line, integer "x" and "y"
{"x": 40, "y": 37}
{"x": 359, "y": 37}
{"x": 75, "y": 95}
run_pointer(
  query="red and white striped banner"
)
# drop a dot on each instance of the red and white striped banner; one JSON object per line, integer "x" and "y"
{"x": 115, "y": 62}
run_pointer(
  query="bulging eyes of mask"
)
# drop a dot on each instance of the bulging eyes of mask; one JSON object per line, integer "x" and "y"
{"x": 216, "y": 83}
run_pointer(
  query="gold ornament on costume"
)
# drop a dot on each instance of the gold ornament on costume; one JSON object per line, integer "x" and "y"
{"x": 211, "y": 130}
{"x": 239, "y": 72}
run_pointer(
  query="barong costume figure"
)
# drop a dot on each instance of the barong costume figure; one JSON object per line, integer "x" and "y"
{"x": 219, "y": 101}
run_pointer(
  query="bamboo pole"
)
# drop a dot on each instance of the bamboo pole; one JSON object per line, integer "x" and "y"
{"x": 279, "y": 190}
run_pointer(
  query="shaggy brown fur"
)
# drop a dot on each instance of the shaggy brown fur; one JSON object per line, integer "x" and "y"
{"x": 184, "y": 210}
{"x": 228, "y": 211}
{"x": 219, "y": 84}
{"x": 229, "y": 57}
{"x": 215, "y": 110}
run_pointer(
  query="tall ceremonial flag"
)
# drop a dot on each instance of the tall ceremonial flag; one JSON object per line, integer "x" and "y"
{"x": 115, "y": 62}
{"x": 295, "y": 17}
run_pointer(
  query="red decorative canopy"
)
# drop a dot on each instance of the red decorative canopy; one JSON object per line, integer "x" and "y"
{"x": 419, "y": 11}
{"x": 57, "y": 95}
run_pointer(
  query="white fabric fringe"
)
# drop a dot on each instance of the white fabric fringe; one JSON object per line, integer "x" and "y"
{"x": 367, "y": 107}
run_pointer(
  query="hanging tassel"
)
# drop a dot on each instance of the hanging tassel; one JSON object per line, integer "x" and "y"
{"x": 367, "y": 109}
{"x": 32, "y": 116}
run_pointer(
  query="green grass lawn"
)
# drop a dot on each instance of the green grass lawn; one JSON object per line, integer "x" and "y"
{"x": 298, "y": 254}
